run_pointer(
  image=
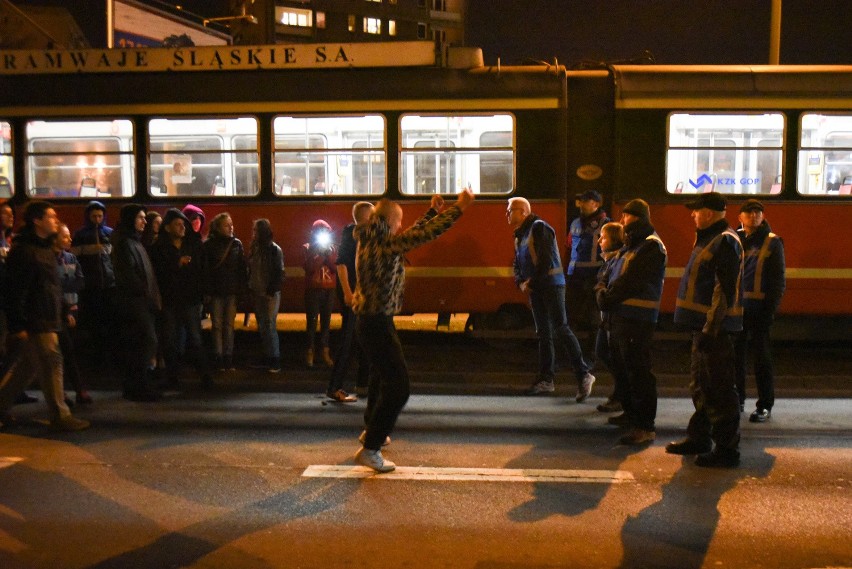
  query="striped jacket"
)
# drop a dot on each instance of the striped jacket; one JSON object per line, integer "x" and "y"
{"x": 380, "y": 259}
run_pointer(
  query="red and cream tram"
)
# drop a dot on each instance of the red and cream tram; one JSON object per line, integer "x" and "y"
{"x": 298, "y": 133}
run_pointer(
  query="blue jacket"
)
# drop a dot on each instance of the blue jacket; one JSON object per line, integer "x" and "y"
{"x": 70, "y": 279}
{"x": 92, "y": 247}
{"x": 635, "y": 283}
{"x": 710, "y": 294}
{"x": 583, "y": 234}
{"x": 537, "y": 257}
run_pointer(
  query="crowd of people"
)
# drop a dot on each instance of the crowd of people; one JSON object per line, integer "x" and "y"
{"x": 140, "y": 291}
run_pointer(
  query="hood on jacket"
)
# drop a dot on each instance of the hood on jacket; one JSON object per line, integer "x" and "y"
{"x": 127, "y": 217}
{"x": 93, "y": 205}
{"x": 189, "y": 211}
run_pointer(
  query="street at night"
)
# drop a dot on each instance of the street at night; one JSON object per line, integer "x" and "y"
{"x": 254, "y": 476}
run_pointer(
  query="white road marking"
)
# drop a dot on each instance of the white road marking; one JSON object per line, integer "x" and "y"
{"x": 469, "y": 474}
{"x": 9, "y": 461}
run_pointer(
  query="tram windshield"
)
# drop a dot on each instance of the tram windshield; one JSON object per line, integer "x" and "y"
{"x": 444, "y": 153}
{"x": 727, "y": 153}
{"x": 825, "y": 155}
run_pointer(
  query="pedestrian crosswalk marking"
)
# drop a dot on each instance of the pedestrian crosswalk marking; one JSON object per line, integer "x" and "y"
{"x": 9, "y": 461}
{"x": 470, "y": 474}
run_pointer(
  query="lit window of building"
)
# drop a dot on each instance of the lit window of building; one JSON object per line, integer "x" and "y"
{"x": 351, "y": 22}
{"x": 372, "y": 26}
{"x": 320, "y": 19}
{"x": 391, "y": 27}
{"x": 294, "y": 17}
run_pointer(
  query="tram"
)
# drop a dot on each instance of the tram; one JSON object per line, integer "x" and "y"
{"x": 299, "y": 133}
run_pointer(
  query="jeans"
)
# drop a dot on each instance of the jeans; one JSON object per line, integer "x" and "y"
{"x": 389, "y": 384}
{"x": 756, "y": 336}
{"x": 39, "y": 359}
{"x": 318, "y": 303}
{"x": 186, "y": 319}
{"x": 581, "y": 308}
{"x": 223, "y": 310}
{"x": 266, "y": 312}
{"x": 548, "y": 308}
{"x": 714, "y": 393}
{"x": 350, "y": 347}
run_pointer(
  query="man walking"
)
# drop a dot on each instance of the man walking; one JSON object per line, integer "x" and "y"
{"x": 764, "y": 283}
{"x": 34, "y": 311}
{"x": 538, "y": 272}
{"x": 632, "y": 303}
{"x": 378, "y": 297}
{"x": 709, "y": 303}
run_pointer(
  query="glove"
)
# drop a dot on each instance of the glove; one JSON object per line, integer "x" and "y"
{"x": 704, "y": 341}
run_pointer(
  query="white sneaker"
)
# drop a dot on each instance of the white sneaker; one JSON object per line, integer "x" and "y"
{"x": 363, "y": 437}
{"x": 374, "y": 459}
{"x": 585, "y": 387}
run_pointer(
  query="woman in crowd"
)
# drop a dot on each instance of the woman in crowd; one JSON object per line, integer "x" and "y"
{"x": 226, "y": 278}
{"x": 71, "y": 280}
{"x": 266, "y": 275}
{"x": 320, "y": 282}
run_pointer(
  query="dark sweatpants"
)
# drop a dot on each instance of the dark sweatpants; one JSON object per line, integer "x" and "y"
{"x": 389, "y": 384}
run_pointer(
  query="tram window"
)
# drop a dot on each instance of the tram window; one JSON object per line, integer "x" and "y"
{"x": 444, "y": 153}
{"x": 728, "y": 153}
{"x": 330, "y": 155}
{"x": 6, "y": 172}
{"x": 203, "y": 157}
{"x": 80, "y": 159}
{"x": 825, "y": 155}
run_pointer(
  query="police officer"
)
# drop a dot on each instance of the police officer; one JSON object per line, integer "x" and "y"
{"x": 585, "y": 261}
{"x": 764, "y": 283}
{"x": 631, "y": 300}
{"x": 709, "y": 303}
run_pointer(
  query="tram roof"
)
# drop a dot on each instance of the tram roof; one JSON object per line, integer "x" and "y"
{"x": 732, "y": 86}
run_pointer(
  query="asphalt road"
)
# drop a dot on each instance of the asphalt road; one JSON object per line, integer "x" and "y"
{"x": 219, "y": 480}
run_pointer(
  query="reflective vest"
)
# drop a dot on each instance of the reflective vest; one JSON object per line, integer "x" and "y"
{"x": 585, "y": 252}
{"x": 645, "y": 305}
{"x": 695, "y": 294}
{"x": 754, "y": 283}
{"x": 527, "y": 262}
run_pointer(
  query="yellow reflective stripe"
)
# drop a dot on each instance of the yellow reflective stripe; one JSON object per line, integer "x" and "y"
{"x": 88, "y": 249}
{"x": 642, "y": 303}
{"x": 757, "y": 294}
{"x": 790, "y": 273}
{"x": 758, "y": 270}
{"x": 688, "y": 305}
{"x": 555, "y": 271}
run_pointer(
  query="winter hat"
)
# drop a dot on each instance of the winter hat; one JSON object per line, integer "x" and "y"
{"x": 174, "y": 213}
{"x": 711, "y": 200}
{"x": 639, "y": 208}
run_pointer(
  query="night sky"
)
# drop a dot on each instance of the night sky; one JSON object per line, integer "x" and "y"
{"x": 674, "y": 31}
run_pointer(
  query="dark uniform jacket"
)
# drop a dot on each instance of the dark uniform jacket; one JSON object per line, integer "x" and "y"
{"x": 764, "y": 279}
{"x": 635, "y": 281}
{"x": 709, "y": 298}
